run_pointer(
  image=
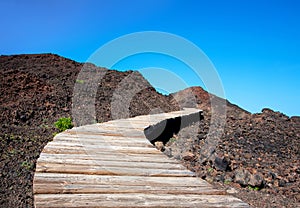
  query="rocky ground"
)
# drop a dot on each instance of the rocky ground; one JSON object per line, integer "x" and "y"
{"x": 257, "y": 158}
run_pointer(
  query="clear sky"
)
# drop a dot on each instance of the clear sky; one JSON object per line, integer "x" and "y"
{"x": 254, "y": 44}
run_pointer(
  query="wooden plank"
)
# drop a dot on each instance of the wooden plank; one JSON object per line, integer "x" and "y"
{"x": 61, "y": 178}
{"x": 135, "y": 120}
{"x": 123, "y": 128}
{"x": 119, "y": 142}
{"x": 75, "y": 188}
{"x": 126, "y": 124}
{"x": 113, "y": 163}
{"x": 82, "y": 150}
{"x": 122, "y": 133}
{"x": 98, "y": 170}
{"x": 101, "y": 144}
{"x": 78, "y": 151}
{"x": 135, "y": 200}
{"x": 108, "y": 135}
{"x": 112, "y": 143}
{"x": 123, "y": 143}
{"x": 52, "y": 148}
{"x": 83, "y": 139}
{"x": 110, "y": 157}
{"x": 96, "y": 133}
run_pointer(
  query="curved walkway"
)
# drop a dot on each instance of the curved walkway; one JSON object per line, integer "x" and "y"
{"x": 113, "y": 164}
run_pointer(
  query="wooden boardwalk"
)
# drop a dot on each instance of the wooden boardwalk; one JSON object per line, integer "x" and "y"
{"x": 112, "y": 164}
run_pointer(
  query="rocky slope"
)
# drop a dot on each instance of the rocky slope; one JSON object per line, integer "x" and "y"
{"x": 35, "y": 91}
{"x": 256, "y": 151}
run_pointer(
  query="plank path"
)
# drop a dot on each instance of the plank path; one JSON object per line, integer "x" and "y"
{"x": 113, "y": 164}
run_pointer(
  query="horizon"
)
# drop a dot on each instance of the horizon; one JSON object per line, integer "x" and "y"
{"x": 254, "y": 45}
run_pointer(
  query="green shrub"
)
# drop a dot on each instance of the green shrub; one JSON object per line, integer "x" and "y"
{"x": 27, "y": 165}
{"x": 253, "y": 188}
{"x": 79, "y": 81}
{"x": 63, "y": 124}
{"x": 210, "y": 170}
{"x": 173, "y": 139}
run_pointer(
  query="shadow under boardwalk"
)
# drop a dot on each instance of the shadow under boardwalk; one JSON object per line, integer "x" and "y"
{"x": 113, "y": 164}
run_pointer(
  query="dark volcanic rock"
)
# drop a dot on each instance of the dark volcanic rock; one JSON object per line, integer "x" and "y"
{"x": 244, "y": 178}
{"x": 263, "y": 150}
{"x": 256, "y": 180}
{"x": 221, "y": 164}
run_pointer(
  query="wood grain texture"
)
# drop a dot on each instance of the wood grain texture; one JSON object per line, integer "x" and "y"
{"x": 113, "y": 165}
{"x": 136, "y": 200}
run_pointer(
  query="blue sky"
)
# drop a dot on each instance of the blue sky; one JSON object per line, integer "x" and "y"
{"x": 254, "y": 45}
